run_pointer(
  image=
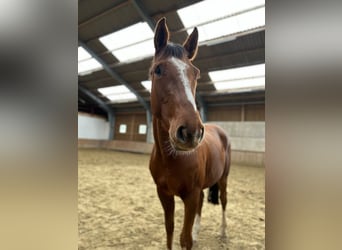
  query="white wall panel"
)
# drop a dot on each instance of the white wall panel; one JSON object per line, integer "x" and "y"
{"x": 92, "y": 127}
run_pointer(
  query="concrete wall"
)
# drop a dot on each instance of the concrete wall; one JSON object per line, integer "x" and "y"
{"x": 92, "y": 127}
{"x": 245, "y": 136}
{"x": 127, "y": 146}
{"x": 247, "y": 140}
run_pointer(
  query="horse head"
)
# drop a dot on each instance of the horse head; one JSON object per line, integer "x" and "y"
{"x": 174, "y": 81}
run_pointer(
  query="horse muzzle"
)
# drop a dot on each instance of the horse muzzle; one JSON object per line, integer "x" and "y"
{"x": 188, "y": 138}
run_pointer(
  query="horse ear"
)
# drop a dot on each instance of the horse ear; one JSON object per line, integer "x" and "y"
{"x": 161, "y": 35}
{"x": 191, "y": 44}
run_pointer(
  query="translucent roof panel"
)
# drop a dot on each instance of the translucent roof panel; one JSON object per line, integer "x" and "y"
{"x": 249, "y": 83}
{"x": 133, "y": 42}
{"x": 243, "y": 77}
{"x": 136, "y": 51}
{"x": 86, "y": 63}
{"x": 147, "y": 84}
{"x": 83, "y": 54}
{"x": 88, "y": 66}
{"x": 133, "y": 34}
{"x": 121, "y": 98}
{"x": 118, "y": 94}
{"x": 209, "y": 10}
{"x": 113, "y": 90}
{"x": 234, "y": 17}
{"x": 238, "y": 73}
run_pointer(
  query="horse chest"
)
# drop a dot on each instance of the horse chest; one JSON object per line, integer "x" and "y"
{"x": 176, "y": 182}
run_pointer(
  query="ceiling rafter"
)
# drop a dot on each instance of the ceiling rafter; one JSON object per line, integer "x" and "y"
{"x": 99, "y": 15}
{"x": 143, "y": 13}
{"x": 113, "y": 74}
{"x": 219, "y": 53}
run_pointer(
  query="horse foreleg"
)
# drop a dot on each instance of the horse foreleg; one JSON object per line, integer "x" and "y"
{"x": 197, "y": 222}
{"x": 168, "y": 203}
{"x": 190, "y": 207}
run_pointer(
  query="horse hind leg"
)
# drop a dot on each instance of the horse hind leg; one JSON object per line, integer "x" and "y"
{"x": 213, "y": 193}
{"x": 223, "y": 199}
{"x": 223, "y": 191}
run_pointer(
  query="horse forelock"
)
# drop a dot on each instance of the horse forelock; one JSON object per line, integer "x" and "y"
{"x": 170, "y": 50}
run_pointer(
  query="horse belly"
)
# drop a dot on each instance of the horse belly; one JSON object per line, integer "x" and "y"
{"x": 214, "y": 173}
{"x": 215, "y": 166}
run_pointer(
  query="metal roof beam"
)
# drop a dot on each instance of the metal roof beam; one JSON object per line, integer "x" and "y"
{"x": 102, "y": 14}
{"x": 104, "y": 106}
{"x": 220, "y": 104}
{"x": 202, "y": 106}
{"x": 143, "y": 13}
{"x": 113, "y": 74}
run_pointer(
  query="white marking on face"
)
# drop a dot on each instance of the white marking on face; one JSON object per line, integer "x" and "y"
{"x": 196, "y": 227}
{"x": 181, "y": 67}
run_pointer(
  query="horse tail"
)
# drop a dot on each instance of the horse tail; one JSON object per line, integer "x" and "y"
{"x": 213, "y": 194}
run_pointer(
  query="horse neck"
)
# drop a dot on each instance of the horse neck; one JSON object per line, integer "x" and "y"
{"x": 160, "y": 137}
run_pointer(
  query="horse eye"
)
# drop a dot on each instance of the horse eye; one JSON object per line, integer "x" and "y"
{"x": 158, "y": 71}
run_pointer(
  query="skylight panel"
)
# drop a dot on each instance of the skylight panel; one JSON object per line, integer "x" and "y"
{"x": 210, "y": 10}
{"x": 251, "y": 19}
{"x": 131, "y": 43}
{"x": 238, "y": 78}
{"x": 147, "y": 85}
{"x": 121, "y": 98}
{"x": 231, "y": 25}
{"x": 86, "y": 63}
{"x": 133, "y": 34}
{"x": 88, "y": 66}
{"x": 83, "y": 54}
{"x": 238, "y": 73}
{"x": 118, "y": 94}
{"x": 120, "y": 89}
{"x": 220, "y": 18}
{"x": 136, "y": 51}
{"x": 249, "y": 83}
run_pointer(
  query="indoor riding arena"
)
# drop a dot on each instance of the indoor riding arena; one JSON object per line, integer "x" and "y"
{"x": 118, "y": 204}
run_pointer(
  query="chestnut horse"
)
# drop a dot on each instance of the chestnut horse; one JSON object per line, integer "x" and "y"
{"x": 188, "y": 155}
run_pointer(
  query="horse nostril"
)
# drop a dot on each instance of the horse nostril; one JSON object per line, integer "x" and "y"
{"x": 182, "y": 134}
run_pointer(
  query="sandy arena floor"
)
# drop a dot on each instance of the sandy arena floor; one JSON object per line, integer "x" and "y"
{"x": 119, "y": 209}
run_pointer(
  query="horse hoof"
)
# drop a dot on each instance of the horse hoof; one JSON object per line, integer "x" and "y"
{"x": 223, "y": 235}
